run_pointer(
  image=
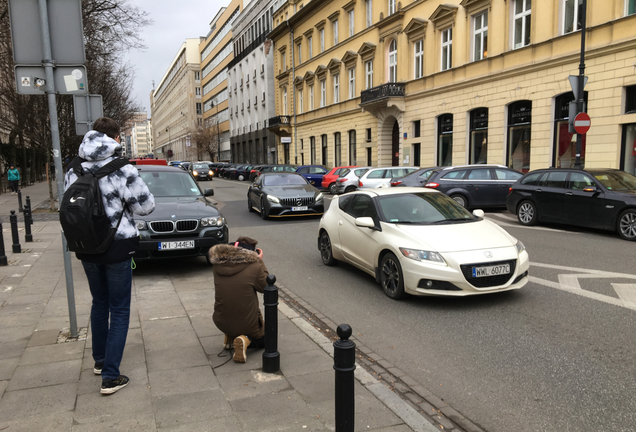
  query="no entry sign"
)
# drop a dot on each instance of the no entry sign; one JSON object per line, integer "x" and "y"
{"x": 582, "y": 123}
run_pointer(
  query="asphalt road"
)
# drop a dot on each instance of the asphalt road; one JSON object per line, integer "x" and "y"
{"x": 557, "y": 355}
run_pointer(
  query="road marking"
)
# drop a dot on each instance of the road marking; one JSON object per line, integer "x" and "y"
{"x": 626, "y": 292}
{"x": 538, "y": 228}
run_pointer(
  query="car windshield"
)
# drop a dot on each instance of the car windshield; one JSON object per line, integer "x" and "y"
{"x": 423, "y": 208}
{"x": 201, "y": 167}
{"x": 284, "y": 180}
{"x": 616, "y": 180}
{"x": 170, "y": 184}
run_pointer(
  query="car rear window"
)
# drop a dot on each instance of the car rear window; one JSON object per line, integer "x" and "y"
{"x": 531, "y": 179}
{"x": 459, "y": 174}
{"x": 376, "y": 174}
{"x": 503, "y": 174}
{"x": 360, "y": 172}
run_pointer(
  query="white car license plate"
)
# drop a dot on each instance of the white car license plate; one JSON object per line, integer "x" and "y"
{"x": 302, "y": 208}
{"x": 491, "y": 270}
{"x": 176, "y": 245}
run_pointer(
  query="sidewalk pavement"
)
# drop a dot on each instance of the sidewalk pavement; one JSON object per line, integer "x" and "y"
{"x": 178, "y": 381}
{"x": 38, "y": 192}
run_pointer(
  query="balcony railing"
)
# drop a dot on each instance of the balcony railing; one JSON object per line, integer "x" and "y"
{"x": 279, "y": 120}
{"x": 382, "y": 91}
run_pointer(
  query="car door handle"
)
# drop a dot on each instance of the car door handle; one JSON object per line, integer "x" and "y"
{"x": 340, "y": 223}
{"x": 568, "y": 193}
{"x": 469, "y": 185}
{"x": 538, "y": 190}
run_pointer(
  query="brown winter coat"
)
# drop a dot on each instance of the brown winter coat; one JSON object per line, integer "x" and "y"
{"x": 238, "y": 274}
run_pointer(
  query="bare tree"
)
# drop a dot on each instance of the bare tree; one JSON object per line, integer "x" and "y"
{"x": 207, "y": 141}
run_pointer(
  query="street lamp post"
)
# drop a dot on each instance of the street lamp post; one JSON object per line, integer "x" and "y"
{"x": 581, "y": 84}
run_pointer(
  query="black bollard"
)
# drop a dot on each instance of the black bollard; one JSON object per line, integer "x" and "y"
{"x": 14, "y": 232}
{"x": 271, "y": 356}
{"x": 3, "y": 256}
{"x": 19, "y": 200}
{"x": 344, "y": 362}
{"x": 27, "y": 224}
{"x": 28, "y": 204}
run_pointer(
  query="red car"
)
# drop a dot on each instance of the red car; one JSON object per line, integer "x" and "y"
{"x": 329, "y": 179}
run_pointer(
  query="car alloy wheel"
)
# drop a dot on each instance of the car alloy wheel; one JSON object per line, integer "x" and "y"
{"x": 627, "y": 225}
{"x": 241, "y": 177}
{"x": 333, "y": 189}
{"x": 391, "y": 277}
{"x": 263, "y": 214}
{"x": 527, "y": 213}
{"x": 325, "y": 250}
{"x": 459, "y": 199}
{"x": 249, "y": 204}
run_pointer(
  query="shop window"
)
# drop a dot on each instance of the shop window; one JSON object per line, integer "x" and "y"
{"x": 478, "y": 152}
{"x": 324, "y": 150}
{"x": 352, "y": 147}
{"x": 445, "y": 140}
{"x": 519, "y": 128}
{"x": 565, "y": 142}
{"x": 337, "y": 147}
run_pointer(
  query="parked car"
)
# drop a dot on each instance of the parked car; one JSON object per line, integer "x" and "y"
{"x": 376, "y": 177}
{"x": 419, "y": 241}
{"x": 348, "y": 180}
{"x": 174, "y": 163}
{"x": 225, "y": 168}
{"x": 185, "y": 166}
{"x": 329, "y": 179}
{"x": 254, "y": 172}
{"x": 313, "y": 174}
{"x": 229, "y": 172}
{"x": 475, "y": 186}
{"x": 185, "y": 223}
{"x": 148, "y": 161}
{"x": 594, "y": 198}
{"x": 202, "y": 171}
{"x": 416, "y": 178}
{"x": 242, "y": 172}
{"x": 284, "y": 194}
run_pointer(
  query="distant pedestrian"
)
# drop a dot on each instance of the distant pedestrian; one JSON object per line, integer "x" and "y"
{"x": 110, "y": 274}
{"x": 14, "y": 179}
{"x": 239, "y": 273}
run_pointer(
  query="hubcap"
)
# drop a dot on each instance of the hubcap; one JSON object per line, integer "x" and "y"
{"x": 391, "y": 276}
{"x": 628, "y": 225}
{"x": 526, "y": 213}
{"x": 460, "y": 201}
{"x": 325, "y": 247}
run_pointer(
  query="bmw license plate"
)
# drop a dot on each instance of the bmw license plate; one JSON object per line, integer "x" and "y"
{"x": 176, "y": 245}
{"x": 301, "y": 208}
{"x": 491, "y": 270}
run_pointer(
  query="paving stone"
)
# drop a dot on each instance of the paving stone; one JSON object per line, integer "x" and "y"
{"x": 302, "y": 363}
{"x": 221, "y": 424}
{"x": 143, "y": 423}
{"x": 181, "y": 381}
{"x": 175, "y": 358}
{"x": 45, "y": 374}
{"x": 203, "y": 324}
{"x": 161, "y": 326}
{"x": 60, "y": 421}
{"x": 26, "y": 319}
{"x": 250, "y": 383}
{"x": 295, "y": 342}
{"x": 178, "y": 339}
{"x": 315, "y": 387}
{"x": 182, "y": 409}
{"x": 13, "y": 349}
{"x": 42, "y": 401}
{"x": 7, "y": 367}
{"x": 43, "y": 337}
{"x": 53, "y": 353}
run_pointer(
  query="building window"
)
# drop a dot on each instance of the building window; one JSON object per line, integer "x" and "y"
{"x": 572, "y": 11}
{"x": 416, "y": 128}
{"x": 352, "y": 23}
{"x": 521, "y": 23}
{"x": 285, "y": 101}
{"x": 197, "y": 75}
{"x": 311, "y": 97}
{"x": 447, "y": 49}
{"x": 300, "y": 101}
{"x": 480, "y": 38}
{"x": 391, "y": 7}
{"x": 324, "y": 150}
{"x": 519, "y": 125}
{"x": 368, "y": 73}
{"x": 323, "y": 93}
{"x": 445, "y": 140}
{"x": 310, "y": 48}
{"x": 631, "y": 7}
{"x": 283, "y": 61}
{"x": 199, "y": 108}
{"x": 299, "y": 49}
{"x": 335, "y": 32}
{"x": 352, "y": 83}
{"x": 352, "y": 147}
{"x": 418, "y": 47}
{"x": 197, "y": 91}
{"x": 336, "y": 88}
{"x": 312, "y": 150}
{"x": 630, "y": 99}
{"x": 393, "y": 61}
{"x": 322, "y": 40}
{"x": 369, "y": 10}
{"x": 478, "y": 152}
{"x": 337, "y": 147}
{"x": 564, "y": 141}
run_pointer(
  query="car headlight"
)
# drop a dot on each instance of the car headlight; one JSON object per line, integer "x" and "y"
{"x": 422, "y": 255}
{"x": 210, "y": 173}
{"x": 520, "y": 246}
{"x": 195, "y": 173}
{"x": 272, "y": 198}
{"x": 212, "y": 221}
{"x": 141, "y": 225}
{"x": 319, "y": 197}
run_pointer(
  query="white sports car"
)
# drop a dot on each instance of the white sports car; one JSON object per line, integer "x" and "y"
{"x": 418, "y": 241}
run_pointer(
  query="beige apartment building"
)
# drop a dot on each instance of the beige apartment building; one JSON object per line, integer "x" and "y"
{"x": 215, "y": 52}
{"x": 136, "y": 136}
{"x": 425, "y": 83}
{"x": 176, "y": 109}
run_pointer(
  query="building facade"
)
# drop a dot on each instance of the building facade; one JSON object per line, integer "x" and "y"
{"x": 428, "y": 83}
{"x": 176, "y": 109}
{"x": 251, "y": 85}
{"x": 136, "y": 136}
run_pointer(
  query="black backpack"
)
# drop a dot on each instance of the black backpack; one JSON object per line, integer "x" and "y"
{"x": 85, "y": 224}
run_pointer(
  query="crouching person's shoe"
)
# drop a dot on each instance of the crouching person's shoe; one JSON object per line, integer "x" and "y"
{"x": 227, "y": 343}
{"x": 110, "y": 386}
{"x": 240, "y": 349}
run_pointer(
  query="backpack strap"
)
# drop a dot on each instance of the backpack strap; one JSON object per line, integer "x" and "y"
{"x": 111, "y": 167}
{"x": 76, "y": 166}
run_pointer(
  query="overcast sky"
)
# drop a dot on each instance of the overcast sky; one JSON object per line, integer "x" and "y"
{"x": 173, "y": 22}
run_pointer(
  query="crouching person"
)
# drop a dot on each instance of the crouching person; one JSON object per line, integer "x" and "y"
{"x": 239, "y": 273}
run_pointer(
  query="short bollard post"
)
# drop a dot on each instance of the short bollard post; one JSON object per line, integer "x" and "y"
{"x": 27, "y": 224}
{"x": 14, "y": 232}
{"x": 344, "y": 362}
{"x": 271, "y": 356}
{"x": 3, "y": 256}
{"x": 20, "y": 201}
{"x": 28, "y": 204}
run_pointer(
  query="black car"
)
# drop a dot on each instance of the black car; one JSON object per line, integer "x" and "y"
{"x": 475, "y": 186}
{"x": 284, "y": 194}
{"x": 243, "y": 172}
{"x": 185, "y": 223}
{"x": 593, "y": 198}
{"x": 201, "y": 171}
{"x": 417, "y": 178}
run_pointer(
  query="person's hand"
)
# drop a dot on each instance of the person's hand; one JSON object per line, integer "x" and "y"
{"x": 260, "y": 253}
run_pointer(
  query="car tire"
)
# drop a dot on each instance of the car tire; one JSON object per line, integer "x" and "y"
{"x": 249, "y": 205}
{"x": 527, "y": 213}
{"x": 350, "y": 189}
{"x": 264, "y": 215}
{"x": 333, "y": 188}
{"x": 241, "y": 177}
{"x": 391, "y": 277}
{"x": 326, "y": 252}
{"x": 460, "y": 199}
{"x": 626, "y": 225}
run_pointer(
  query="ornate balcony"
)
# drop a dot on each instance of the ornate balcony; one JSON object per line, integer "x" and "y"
{"x": 280, "y": 125}
{"x": 383, "y": 96}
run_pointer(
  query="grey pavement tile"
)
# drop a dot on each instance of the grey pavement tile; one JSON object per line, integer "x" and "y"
{"x": 287, "y": 327}
{"x": 314, "y": 387}
{"x": 43, "y": 337}
{"x": 157, "y": 313}
{"x": 3, "y": 387}
{"x": 22, "y": 309}
{"x": 142, "y": 423}
{"x": 302, "y": 363}
{"x": 10, "y": 334}
{"x": 162, "y": 326}
{"x": 295, "y": 342}
{"x": 203, "y": 324}
{"x": 181, "y": 381}
{"x": 13, "y": 349}
{"x": 176, "y": 359}
{"x": 160, "y": 341}
{"x": 45, "y": 374}
{"x": 221, "y": 424}
{"x": 60, "y": 322}
{"x": 7, "y": 367}
{"x": 53, "y": 353}
{"x": 191, "y": 299}
{"x": 254, "y": 361}
{"x": 42, "y": 401}
{"x": 182, "y": 409}
{"x": 57, "y": 422}
{"x": 133, "y": 353}
{"x": 24, "y": 299}
{"x": 89, "y": 382}
{"x": 212, "y": 345}
{"x": 250, "y": 383}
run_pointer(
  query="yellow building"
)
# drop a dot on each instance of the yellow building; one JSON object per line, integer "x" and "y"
{"x": 424, "y": 83}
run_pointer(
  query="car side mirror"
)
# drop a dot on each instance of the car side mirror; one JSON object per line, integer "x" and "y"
{"x": 208, "y": 192}
{"x": 590, "y": 189}
{"x": 478, "y": 213}
{"x": 365, "y": 222}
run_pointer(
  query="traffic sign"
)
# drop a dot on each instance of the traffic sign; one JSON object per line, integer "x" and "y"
{"x": 31, "y": 80}
{"x": 84, "y": 121}
{"x": 574, "y": 83}
{"x": 582, "y": 123}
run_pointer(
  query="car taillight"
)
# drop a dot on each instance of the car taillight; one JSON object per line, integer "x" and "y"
{"x": 431, "y": 185}
{"x": 342, "y": 180}
{"x": 509, "y": 190}
{"x": 360, "y": 183}
{"x": 395, "y": 183}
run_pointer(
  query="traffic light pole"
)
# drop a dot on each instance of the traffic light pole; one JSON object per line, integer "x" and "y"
{"x": 581, "y": 84}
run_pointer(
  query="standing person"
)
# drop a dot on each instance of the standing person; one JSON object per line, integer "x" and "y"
{"x": 13, "y": 176}
{"x": 110, "y": 274}
{"x": 239, "y": 273}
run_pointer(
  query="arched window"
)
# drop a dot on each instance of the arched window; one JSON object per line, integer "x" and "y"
{"x": 478, "y": 152}
{"x": 393, "y": 61}
{"x": 519, "y": 133}
{"x": 445, "y": 140}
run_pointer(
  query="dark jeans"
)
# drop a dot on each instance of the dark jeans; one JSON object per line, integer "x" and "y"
{"x": 13, "y": 184}
{"x": 110, "y": 285}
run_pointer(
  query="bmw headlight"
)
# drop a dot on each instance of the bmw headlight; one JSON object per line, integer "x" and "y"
{"x": 422, "y": 255}
{"x": 212, "y": 221}
{"x": 520, "y": 246}
{"x": 272, "y": 198}
{"x": 195, "y": 173}
{"x": 319, "y": 197}
{"x": 141, "y": 225}
{"x": 210, "y": 173}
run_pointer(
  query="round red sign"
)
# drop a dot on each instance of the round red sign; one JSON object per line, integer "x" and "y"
{"x": 582, "y": 123}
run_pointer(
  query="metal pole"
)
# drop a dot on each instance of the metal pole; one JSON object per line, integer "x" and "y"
{"x": 19, "y": 200}
{"x": 3, "y": 255}
{"x": 27, "y": 225}
{"x": 344, "y": 363}
{"x": 47, "y": 62}
{"x": 271, "y": 356}
{"x": 581, "y": 83}
{"x": 13, "y": 219}
{"x": 28, "y": 204}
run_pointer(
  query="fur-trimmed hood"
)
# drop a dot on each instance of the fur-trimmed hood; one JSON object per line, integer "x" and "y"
{"x": 230, "y": 260}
